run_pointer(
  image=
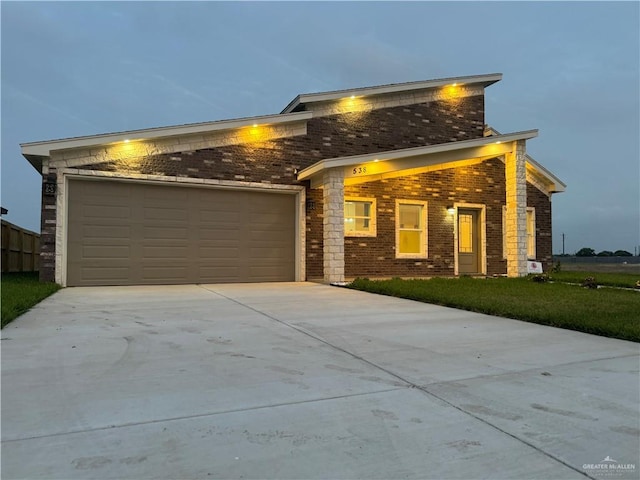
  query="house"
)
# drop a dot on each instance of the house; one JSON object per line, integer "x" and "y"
{"x": 394, "y": 180}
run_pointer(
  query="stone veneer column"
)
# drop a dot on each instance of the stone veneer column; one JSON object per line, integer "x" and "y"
{"x": 333, "y": 225}
{"x": 516, "y": 188}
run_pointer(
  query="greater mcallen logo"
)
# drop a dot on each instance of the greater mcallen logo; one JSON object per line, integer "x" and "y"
{"x": 609, "y": 467}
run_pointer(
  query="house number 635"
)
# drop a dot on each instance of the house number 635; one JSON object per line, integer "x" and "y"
{"x": 359, "y": 170}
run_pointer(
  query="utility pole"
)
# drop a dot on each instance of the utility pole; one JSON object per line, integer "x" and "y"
{"x": 563, "y": 244}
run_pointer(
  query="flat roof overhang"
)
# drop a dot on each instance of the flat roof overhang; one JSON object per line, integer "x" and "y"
{"x": 35, "y": 152}
{"x": 483, "y": 80}
{"x": 375, "y": 166}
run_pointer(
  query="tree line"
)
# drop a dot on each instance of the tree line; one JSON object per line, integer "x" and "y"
{"x": 590, "y": 252}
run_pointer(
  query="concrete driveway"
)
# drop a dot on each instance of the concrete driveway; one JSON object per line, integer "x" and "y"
{"x": 302, "y": 380}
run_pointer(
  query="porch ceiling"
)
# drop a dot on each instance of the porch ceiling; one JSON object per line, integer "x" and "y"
{"x": 370, "y": 167}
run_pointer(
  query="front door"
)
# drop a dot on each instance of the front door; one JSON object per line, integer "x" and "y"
{"x": 468, "y": 242}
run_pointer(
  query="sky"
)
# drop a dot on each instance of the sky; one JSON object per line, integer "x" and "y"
{"x": 570, "y": 69}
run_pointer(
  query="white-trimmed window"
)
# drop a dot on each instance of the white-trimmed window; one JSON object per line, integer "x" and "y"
{"x": 411, "y": 229}
{"x": 531, "y": 233}
{"x": 359, "y": 217}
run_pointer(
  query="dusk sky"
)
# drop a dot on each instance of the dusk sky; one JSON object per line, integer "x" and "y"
{"x": 572, "y": 70}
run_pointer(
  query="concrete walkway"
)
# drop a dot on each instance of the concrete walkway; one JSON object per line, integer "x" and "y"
{"x": 301, "y": 380}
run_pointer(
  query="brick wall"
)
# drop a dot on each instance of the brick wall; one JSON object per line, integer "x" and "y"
{"x": 48, "y": 231}
{"x": 275, "y": 161}
{"x": 314, "y": 236}
{"x": 542, "y": 203}
{"x": 481, "y": 183}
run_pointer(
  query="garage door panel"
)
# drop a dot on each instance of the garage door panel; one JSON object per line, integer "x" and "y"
{"x": 164, "y": 273}
{"x": 218, "y": 274}
{"x": 169, "y": 233}
{"x": 231, "y": 252}
{"x": 165, "y": 252}
{"x": 106, "y": 211}
{"x": 166, "y": 214}
{"x": 222, "y": 234}
{"x": 275, "y": 236}
{"x": 217, "y": 217}
{"x": 123, "y": 233}
{"x": 95, "y": 275}
{"x": 160, "y": 194}
{"x": 271, "y": 255}
{"x": 106, "y": 231}
{"x": 106, "y": 252}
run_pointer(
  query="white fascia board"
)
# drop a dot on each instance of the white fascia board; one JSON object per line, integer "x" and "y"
{"x": 558, "y": 185}
{"x": 486, "y": 80}
{"x": 44, "y": 148}
{"x": 413, "y": 152}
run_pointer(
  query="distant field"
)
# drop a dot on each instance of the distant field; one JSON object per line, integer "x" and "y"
{"x": 600, "y": 267}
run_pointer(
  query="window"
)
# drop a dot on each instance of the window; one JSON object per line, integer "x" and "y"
{"x": 411, "y": 229}
{"x": 360, "y": 217}
{"x": 531, "y": 233}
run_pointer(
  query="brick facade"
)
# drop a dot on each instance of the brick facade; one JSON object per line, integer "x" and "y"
{"x": 277, "y": 160}
{"x": 48, "y": 230}
{"x": 542, "y": 204}
{"x": 274, "y": 161}
{"x": 482, "y": 183}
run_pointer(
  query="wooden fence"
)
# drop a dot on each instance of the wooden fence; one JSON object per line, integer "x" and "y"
{"x": 20, "y": 249}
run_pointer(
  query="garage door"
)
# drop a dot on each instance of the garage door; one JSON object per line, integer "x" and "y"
{"x": 122, "y": 233}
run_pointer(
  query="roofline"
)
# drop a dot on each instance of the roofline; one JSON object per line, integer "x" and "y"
{"x": 541, "y": 169}
{"x": 44, "y": 148}
{"x": 559, "y": 185}
{"x": 488, "y": 79}
{"x": 413, "y": 152}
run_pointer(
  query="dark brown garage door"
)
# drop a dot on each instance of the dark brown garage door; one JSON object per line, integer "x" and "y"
{"x": 122, "y": 233}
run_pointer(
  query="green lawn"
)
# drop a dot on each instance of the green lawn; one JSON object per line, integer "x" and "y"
{"x": 20, "y": 292}
{"x": 605, "y": 311}
{"x": 610, "y": 279}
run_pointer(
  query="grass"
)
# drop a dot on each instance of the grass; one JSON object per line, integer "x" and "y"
{"x": 605, "y": 311}
{"x": 20, "y": 292}
{"x": 627, "y": 280}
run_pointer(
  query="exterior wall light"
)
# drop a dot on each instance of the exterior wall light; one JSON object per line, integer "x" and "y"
{"x": 451, "y": 210}
{"x": 311, "y": 205}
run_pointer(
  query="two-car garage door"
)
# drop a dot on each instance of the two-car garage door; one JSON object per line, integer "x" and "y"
{"x": 124, "y": 233}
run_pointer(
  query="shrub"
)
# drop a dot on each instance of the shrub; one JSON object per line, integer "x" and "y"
{"x": 540, "y": 278}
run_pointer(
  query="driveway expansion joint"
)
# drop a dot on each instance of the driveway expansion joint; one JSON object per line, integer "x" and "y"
{"x": 409, "y": 383}
{"x": 201, "y": 415}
